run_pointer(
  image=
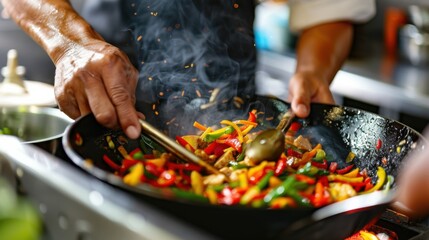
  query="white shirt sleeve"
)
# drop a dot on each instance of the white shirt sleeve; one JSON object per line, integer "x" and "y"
{"x": 308, "y": 13}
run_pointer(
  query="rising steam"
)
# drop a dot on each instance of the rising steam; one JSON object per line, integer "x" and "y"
{"x": 188, "y": 51}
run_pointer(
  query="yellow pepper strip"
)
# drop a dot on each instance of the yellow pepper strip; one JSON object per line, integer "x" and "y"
{"x": 110, "y": 143}
{"x": 197, "y": 183}
{"x": 124, "y": 152}
{"x": 133, "y": 178}
{"x": 352, "y": 173}
{"x": 242, "y": 179}
{"x": 199, "y": 126}
{"x": 236, "y": 128}
{"x": 367, "y": 235}
{"x": 211, "y": 195}
{"x": 398, "y": 149}
{"x": 381, "y": 174}
{"x": 204, "y": 134}
{"x": 249, "y": 195}
{"x": 274, "y": 182}
{"x": 281, "y": 202}
{"x": 257, "y": 168}
{"x": 159, "y": 162}
{"x": 247, "y": 130}
{"x": 192, "y": 140}
{"x": 245, "y": 122}
{"x": 350, "y": 157}
{"x": 341, "y": 178}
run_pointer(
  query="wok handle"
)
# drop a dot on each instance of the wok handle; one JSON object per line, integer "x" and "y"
{"x": 176, "y": 148}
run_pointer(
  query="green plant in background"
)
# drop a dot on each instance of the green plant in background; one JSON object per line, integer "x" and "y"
{"x": 5, "y": 130}
{"x": 18, "y": 219}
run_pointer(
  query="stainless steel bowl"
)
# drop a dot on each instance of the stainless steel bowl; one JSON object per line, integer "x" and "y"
{"x": 41, "y": 126}
{"x": 414, "y": 44}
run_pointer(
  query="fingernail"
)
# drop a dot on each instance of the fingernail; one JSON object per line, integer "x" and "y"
{"x": 302, "y": 109}
{"x": 132, "y": 132}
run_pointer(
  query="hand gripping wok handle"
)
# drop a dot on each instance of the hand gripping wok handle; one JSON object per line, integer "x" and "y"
{"x": 175, "y": 148}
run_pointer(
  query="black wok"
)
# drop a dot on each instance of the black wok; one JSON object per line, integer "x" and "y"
{"x": 339, "y": 130}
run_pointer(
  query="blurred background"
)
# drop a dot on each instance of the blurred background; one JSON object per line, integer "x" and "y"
{"x": 387, "y": 71}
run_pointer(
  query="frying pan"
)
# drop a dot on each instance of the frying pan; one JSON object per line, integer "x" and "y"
{"x": 339, "y": 130}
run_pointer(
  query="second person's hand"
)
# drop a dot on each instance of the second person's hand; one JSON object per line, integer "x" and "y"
{"x": 99, "y": 78}
{"x": 304, "y": 88}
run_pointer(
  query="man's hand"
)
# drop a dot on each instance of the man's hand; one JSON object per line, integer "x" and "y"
{"x": 97, "y": 77}
{"x": 321, "y": 51}
{"x": 91, "y": 75}
{"x": 305, "y": 88}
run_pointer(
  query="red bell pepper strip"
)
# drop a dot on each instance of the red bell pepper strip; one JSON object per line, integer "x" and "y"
{"x": 345, "y": 169}
{"x": 368, "y": 185}
{"x": 215, "y": 148}
{"x": 306, "y": 179}
{"x": 209, "y": 150}
{"x": 295, "y": 126}
{"x": 111, "y": 163}
{"x": 321, "y": 195}
{"x": 149, "y": 156}
{"x": 126, "y": 164}
{"x": 252, "y": 117}
{"x": 292, "y": 153}
{"x": 230, "y": 196}
{"x": 280, "y": 166}
{"x": 152, "y": 169}
{"x": 184, "y": 166}
{"x": 333, "y": 167}
{"x": 323, "y": 165}
{"x": 166, "y": 178}
{"x": 218, "y": 151}
{"x": 234, "y": 143}
{"x": 78, "y": 139}
{"x": 254, "y": 179}
{"x": 186, "y": 179}
{"x": 379, "y": 144}
{"x": 324, "y": 181}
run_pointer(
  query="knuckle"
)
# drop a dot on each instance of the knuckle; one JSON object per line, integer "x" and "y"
{"x": 120, "y": 96}
{"x": 106, "y": 118}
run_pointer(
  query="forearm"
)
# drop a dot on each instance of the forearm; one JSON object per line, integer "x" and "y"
{"x": 53, "y": 24}
{"x": 323, "y": 49}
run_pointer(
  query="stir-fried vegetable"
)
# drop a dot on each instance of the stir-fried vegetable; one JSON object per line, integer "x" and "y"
{"x": 301, "y": 176}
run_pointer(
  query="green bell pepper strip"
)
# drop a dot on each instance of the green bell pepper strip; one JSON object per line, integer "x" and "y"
{"x": 241, "y": 156}
{"x": 235, "y": 165}
{"x": 303, "y": 201}
{"x": 264, "y": 181}
{"x": 210, "y": 137}
{"x": 288, "y": 188}
{"x": 189, "y": 195}
{"x": 320, "y": 155}
{"x": 280, "y": 190}
{"x": 308, "y": 170}
{"x": 389, "y": 183}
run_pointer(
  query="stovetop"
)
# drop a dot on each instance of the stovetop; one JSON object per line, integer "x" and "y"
{"x": 75, "y": 205}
